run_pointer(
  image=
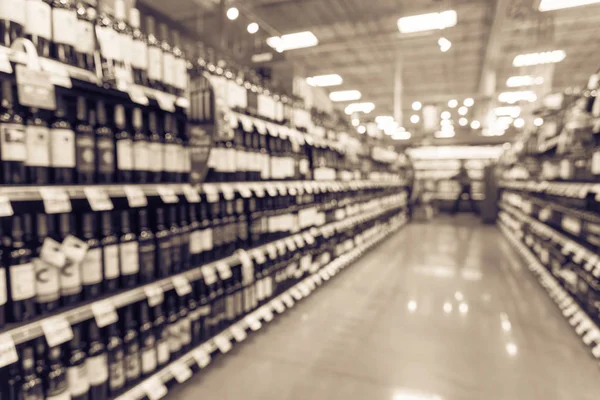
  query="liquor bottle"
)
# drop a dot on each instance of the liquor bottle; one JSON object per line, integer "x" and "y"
{"x": 21, "y": 273}
{"x": 226, "y": 276}
{"x": 47, "y": 284}
{"x": 110, "y": 254}
{"x": 70, "y": 274}
{"x": 77, "y": 375}
{"x": 195, "y": 319}
{"x": 56, "y": 384}
{"x": 131, "y": 346}
{"x": 31, "y": 384}
{"x": 110, "y": 49}
{"x": 124, "y": 34}
{"x": 12, "y": 388}
{"x": 128, "y": 253}
{"x": 105, "y": 146}
{"x": 92, "y": 268}
{"x": 173, "y": 327}
{"x": 161, "y": 334}
{"x": 182, "y": 159}
{"x": 176, "y": 255}
{"x": 3, "y": 282}
{"x": 37, "y": 139}
{"x": 164, "y": 246}
{"x": 116, "y": 360}
{"x": 124, "y": 146}
{"x": 64, "y": 24}
{"x": 180, "y": 81}
{"x": 139, "y": 50}
{"x": 13, "y": 150}
{"x": 85, "y": 42}
{"x": 40, "y": 350}
{"x": 12, "y": 22}
{"x": 141, "y": 157}
{"x": 147, "y": 248}
{"x": 185, "y": 325}
{"x": 168, "y": 72}
{"x": 155, "y": 150}
{"x": 147, "y": 342}
{"x": 96, "y": 363}
{"x": 85, "y": 144}
{"x": 203, "y": 309}
{"x": 238, "y": 293}
{"x": 184, "y": 237}
{"x": 62, "y": 146}
{"x": 171, "y": 155}
{"x": 38, "y": 25}
{"x": 155, "y": 56}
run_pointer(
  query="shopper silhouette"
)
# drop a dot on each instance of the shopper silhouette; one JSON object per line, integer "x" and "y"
{"x": 464, "y": 181}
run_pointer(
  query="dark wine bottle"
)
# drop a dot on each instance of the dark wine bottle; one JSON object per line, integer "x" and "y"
{"x": 56, "y": 385}
{"x": 182, "y": 159}
{"x": 77, "y": 376}
{"x": 64, "y": 24}
{"x": 170, "y": 146}
{"x": 131, "y": 346}
{"x": 168, "y": 59}
{"x": 38, "y": 25}
{"x": 163, "y": 352}
{"x": 12, "y": 21}
{"x": 139, "y": 50}
{"x": 3, "y": 279}
{"x": 13, "y": 150}
{"x": 141, "y": 157}
{"x": 185, "y": 325}
{"x": 176, "y": 266}
{"x": 70, "y": 274}
{"x": 195, "y": 246}
{"x": 173, "y": 325}
{"x": 12, "y": 388}
{"x": 124, "y": 36}
{"x": 116, "y": 361}
{"x": 110, "y": 254}
{"x": 37, "y": 138}
{"x": 110, "y": 50}
{"x": 62, "y": 146}
{"x": 47, "y": 284}
{"x": 85, "y": 44}
{"x": 180, "y": 81}
{"x": 184, "y": 237}
{"x": 155, "y": 56}
{"x": 105, "y": 146}
{"x": 124, "y": 146}
{"x": 147, "y": 248}
{"x": 155, "y": 150}
{"x": 128, "y": 253}
{"x": 148, "y": 341}
{"x": 164, "y": 246}
{"x": 31, "y": 385}
{"x": 85, "y": 143}
{"x": 96, "y": 363}
{"x": 91, "y": 267}
{"x": 21, "y": 272}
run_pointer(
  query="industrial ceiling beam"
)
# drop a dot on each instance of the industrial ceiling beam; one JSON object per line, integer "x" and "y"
{"x": 493, "y": 51}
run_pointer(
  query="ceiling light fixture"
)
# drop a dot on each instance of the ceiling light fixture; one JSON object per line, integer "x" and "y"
{"x": 292, "y": 41}
{"x": 453, "y": 103}
{"x": 446, "y": 115}
{"x": 359, "y": 107}
{"x": 345, "y": 95}
{"x": 463, "y": 110}
{"x": 427, "y": 22}
{"x": 384, "y": 119}
{"x": 469, "y": 102}
{"x": 511, "y": 111}
{"x": 551, "y": 5}
{"x": 355, "y": 122}
{"x": 475, "y": 124}
{"x": 524, "y": 80}
{"x": 444, "y": 44}
{"x": 233, "y": 13}
{"x": 401, "y": 135}
{"x": 514, "y": 97}
{"x": 252, "y": 28}
{"x": 325, "y": 80}
{"x": 546, "y": 57}
{"x": 416, "y": 106}
{"x": 519, "y": 123}
{"x": 361, "y": 129}
{"x": 463, "y": 121}
{"x": 538, "y": 121}
{"x": 415, "y": 119}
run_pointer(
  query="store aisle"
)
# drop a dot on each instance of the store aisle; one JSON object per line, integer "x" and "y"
{"x": 441, "y": 309}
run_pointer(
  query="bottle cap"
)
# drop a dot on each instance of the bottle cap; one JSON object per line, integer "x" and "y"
{"x": 82, "y": 113}
{"x": 42, "y": 225}
{"x": 106, "y": 223}
{"x": 101, "y": 112}
{"x": 150, "y": 26}
{"x": 120, "y": 14}
{"x": 137, "y": 118}
{"x": 89, "y": 225}
{"x": 152, "y": 121}
{"x": 125, "y": 225}
{"x": 134, "y": 18}
{"x": 120, "y": 116}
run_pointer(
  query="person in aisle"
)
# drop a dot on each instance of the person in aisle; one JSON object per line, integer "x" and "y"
{"x": 463, "y": 179}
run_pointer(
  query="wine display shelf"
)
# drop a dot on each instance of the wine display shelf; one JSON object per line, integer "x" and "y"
{"x": 154, "y": 387}
{"x": 574, "y": 190}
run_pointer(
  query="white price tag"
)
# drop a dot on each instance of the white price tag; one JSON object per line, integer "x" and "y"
{"x": 165, "y": 101}
{"x": 6, "y": 209}
{"x": 98, "y": 199}
{"x": 137, "y": 95}
{"x": 182, "y": 285}
{"x": 272, "y": 250}
{"x": 201, "y": 357}
{"x": 222, "y": 343}
{"x": 324, "y": 274}
{"x": 180, "y": 371}
{"x": 299, "y": 241}
{"x": 244, "y": 191}
{"x": 228, "y": 191}
{"x": 266, "y": 313}
{"x": 278, "y": 306}
{"x": 8, "y": 352}
{"x": 238, "y": 333}
{"x": 289, "y": 242}
{"x": 317, "y": 279}
{"x": 135, "y": 196}
{"x": 303, "y": 287}
{"x": 287, "y": 299}
{"x": 281, "y": 247}
{"x": 52, "y": 254}
{"x": 191, "y": 195}
{"x": 57, "y": 330}
{"x": 155, "y": 295}
{"x": 259, "y": 256}
{"x": 296, "y": 294}
{"x": 209, "y": 274}
{"x": 154, "y": 388}
{"x": 56, "y": 200}
{"x": 104, "y": 313}
{"x": 74, "y": 249}
{"x": 253, "y": 323}
{"x": 259, "y": 190}
{"x": 167, "y": 195}
{"x": 224, "y": 270}
{"x": 308, "y": 238}
{"x": 245, "y": 259}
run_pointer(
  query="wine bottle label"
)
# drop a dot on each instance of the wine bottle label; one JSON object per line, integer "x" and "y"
{"x": 62, "y": 148}
{"x": 85, "y": 42}
{"x": 170, "y": 159}
{"x": 22, "y": 281}
{"x": 207, "y": 239}
{"x": 230, "y": 307}
{"x": 196, "y": 242}
{"x": 126, "y": 43}
{"x": 165, "y": 254}
{"x": 141, "y": 161}
{"x": 240, "y": 160}
{"x": 125, "y": 154}
{"x": 38, "y": 21}
{"x": 155, "y": 151}
{"x": 13, "y": 10}
{"x": 163, "y": 352}
{"x": 107, "y": 37}
{"x": 239, "y": 302}
{"x": 185, "y": 331}
{"x": 266, "y": 167}
{"x": 174, "y": 340}
{"x": 260, "y": 289}
{"x": 37, "y": 140}
{"x": 139, "y": 54}
{"x": 268, "y": 287}
{"x": 97, "y": 369}
{"x": 204, "y": 311}
{"x": 111, "y": 262}
{"x": 147, "y": 257}
{"x": 85, "y": 157}
{"x": 63, "y": 395}
{"x": 117, "y": 372}
{"x": 231, "y": 153}
{"x": 106, "y": 155}
{"x": 181, "y": 74}
{"x": 129, "y": 258}
{"x": 3, "y": 291}
{"x": 78, "y": 380}
{"x": 213, "y": 158}
{"x": 92, "y": 267}
{"x": 155, "y": 63}
{"x": 47, "y": 283}
{"x": 149, "y": 358}
{"x": 187, "y": 160}
{"x": 13, "y": 142}
{"x": 70, "y": 278}
{"x": 64, "y": 24}
{"x": 132, "y": 362}
{"x": 179, "y": 161}
{"x": 168, "y": 68}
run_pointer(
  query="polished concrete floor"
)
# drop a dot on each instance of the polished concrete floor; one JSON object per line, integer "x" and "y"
{"x": 440, "y": 311}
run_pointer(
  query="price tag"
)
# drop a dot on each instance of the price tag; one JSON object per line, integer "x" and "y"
{"x": 201, "y": 357}
{"x": 57, "y": 330}
{"x": 35, "y": 88}
{"x": 245, "y": 259}
{"x": 191, "y": 195}
{"x": 271, "y": 190}
{"x": 165, "y": 101}
{"x": 59, "y": 75}
{"x": 244, "y": 191}
{"x": 299, "y": 241}
{"x": 310, "y": 284}
{"x": 212, "y": 194}
{"x": 74, "y": 249}
{"x": 272, "y": 250}
{"x": 8, "y": 352}
{"x": 180, "y": 371}
{"x": 228, "y": 192}
{"x": 280, "y": 244}
{"x": 104, "y": 313}
{"x": 259, "y": 190}
{"x": 6, "y": 209}
{"x": 308, "y": 238}
{"x": 289, "y": 242}
{"x": 167, "y": 195}
{"x": 296, "y": 294}
{"x": 282, "y": 189}
{"x": 182, "y": 285}
{"x": 154, "y": 388}
{"x": 137, "y": 95}
{"x": 98, "y": 199}
{"x": 304, "y": 289}
{"x": 222, "y": 343}
{"x": 56, "y": 200}
{"x": 52, "y": 254}
{"x": 5, "y": 65}
{"x": 324, "y": 274}
{"x": 155, "y": 295}
{"x": 135, "y": 196}
{"x": 266, "y": 313}
{"x": 209, "y": 274}
{"x": 253, "y": 322}
{"x": 288, "y": 300}
{"x": 316, "y": 278}
{"x": 238, "y": 333}
{"x": 224, "y": 270}
{"x": 259, "y": 256}
{"x": 278, "y": 306}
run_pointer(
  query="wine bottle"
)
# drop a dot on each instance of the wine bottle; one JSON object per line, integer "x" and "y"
{"x": 37, "y": 138}
{"x": 105, "y": 146}
{"x": 56, "y": 384}
{"x": 184, "y": 237}
{"x": 163, "y": 352}
{"x": 204, "y": 307}
{"x": 124, "y": 146}
{"x": 96, "y": 363}
{"x": 185, "y": 325}
{"x": 128, "y": 253}
{"x": 116, "y": 361}
{"x": 38, "y": 25}
{"x": 110, "y": 49}
{"x": 85, "y": 42}
{"x": 77, "y": 375}
{"x": 195, "y": 246}
{"x": 168, "y": 60}
{"x": 31, "y": 384}
{"x": 47, "y": 284}
{"x": 155, "y": 56}
{"x": 147, "y": 248}
{"x": 85, "y": 144}
{"x": 13, "y": 150}
{"x": 182, "y": 158}
{"x": 173, "y": 325}
{"x": 131, "y": 346}
{"x": 171, "y": 154}
{"x": 110, "y": 254}
{"x": 195, "y": 320}
{"x": 92, "y": 269}
{"x": 124, "y": 35}
{"x": 180, "y": 81}
{"x": 12, "y": 21}
{"x": 139, "y": 50}
{"x": 3, "y": 281}
{"x": 147, "y": 341}
{"x": 164, "y": 246}
{"x": 40, "y": 350}
{"x": 62, "y": 145}
{"x": 155, "y": 150}
{"x": 176, "y": 266}
{"x": 21, "y": 272}
{"x": 13, "y": 378}
{"x": 64, "y": 23}
{"x": 70, "y": 275}
{"x": 141, "y": 158}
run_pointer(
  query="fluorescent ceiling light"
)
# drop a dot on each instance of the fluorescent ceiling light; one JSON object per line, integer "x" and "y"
{"x": 546, "y": 57}
{"x": 233, "y": 13}
{"x": 510, "y": 111}
{"x": 417, "y": 105}
{"x": 551, "y": 5}
{"x": 415, "y": 119}
{"x": 445, "y": 122}
{"x": 325, "y": 80}
{"x": 469, "y": 102}
{"x": 355, "y": 122}
{"x": 427, "y": 22}
{"x": 538, "y": 121}
{"x": 252, "y": 28}
{"x": 345, "y": 95}
{"x": 463, "y": 121}
{"x": 463, "y": 110}
{"x": 475, "y": 124}
{"x": 361, "y": 129}
{"x": 401, "y": 135}
{"x": 359, "y": 107}
{"x": 384, "y": 119}
{"x": 514, "y": 97}
{"x": 453, "y": 103}
{"x": 519, "y": 123}
{"x": 525, "y": 80}
{"x": 446, "y": 115}
{"x": 293, "y": 41}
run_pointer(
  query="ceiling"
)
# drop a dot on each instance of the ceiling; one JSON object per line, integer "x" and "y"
{"x": 359, "y": 40}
